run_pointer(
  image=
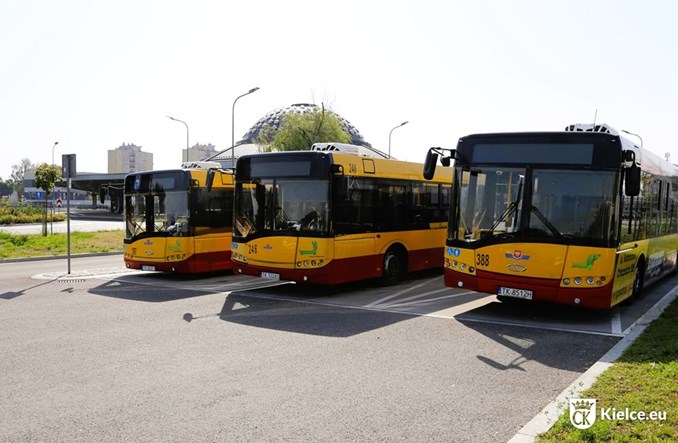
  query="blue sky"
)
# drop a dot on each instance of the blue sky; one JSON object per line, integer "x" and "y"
{"x": 95, "y": 74}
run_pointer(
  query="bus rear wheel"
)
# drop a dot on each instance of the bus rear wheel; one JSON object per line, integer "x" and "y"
{"x": 394, "y": 266}
{"x": 638, "y": 280}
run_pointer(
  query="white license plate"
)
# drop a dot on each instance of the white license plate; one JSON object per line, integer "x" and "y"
{"x": 517, "y": 293}
{"x": 270, "y": 276}
{"x": 148, "y": 268}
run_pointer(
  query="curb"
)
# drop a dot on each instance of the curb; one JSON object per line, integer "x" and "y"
{"x": 56, "y": 257}
{"x": 548, "y": 416}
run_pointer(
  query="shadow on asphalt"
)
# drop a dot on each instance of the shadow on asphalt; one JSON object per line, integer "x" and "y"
{"x": 555, "y": 349}
{"x": 145, "y": 293}
{"x": 304, "y": 318}
{"x": 276, "y": 308}
{"x": 9, "y": 295}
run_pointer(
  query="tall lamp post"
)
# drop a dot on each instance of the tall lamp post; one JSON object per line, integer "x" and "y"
{"x": 233, "y": 122}
{"x": 389, "y": 137}
{"x": 55, "y": 143}
{"x": 631, "y": 133}
{"x": 181, "y": 121}
{"x": 51, "y": 223}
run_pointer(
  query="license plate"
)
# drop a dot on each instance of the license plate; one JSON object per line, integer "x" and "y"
{"x": 270, "y": 276}
{"x": 516, "y": 293}
{"x": 148, "y": 268}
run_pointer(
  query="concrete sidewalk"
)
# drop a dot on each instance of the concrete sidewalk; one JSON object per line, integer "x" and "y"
{"x": 61, "y": 227}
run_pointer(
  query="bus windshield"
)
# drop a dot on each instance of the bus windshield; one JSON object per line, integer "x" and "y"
{"x": 276, "y": 205}
{"x": 165, "y": 212}
{"x": 563, "y": 204}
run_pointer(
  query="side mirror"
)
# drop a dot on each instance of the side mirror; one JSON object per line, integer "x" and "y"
{"x": 430, "y": 164}
{"x": 209, "y": 180}
{"x": 632, "y": 181}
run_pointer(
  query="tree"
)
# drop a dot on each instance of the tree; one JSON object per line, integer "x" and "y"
{"x": 45, "y": 178}
{"x": 17, "y": 176}
{"x": 298, "y": 132}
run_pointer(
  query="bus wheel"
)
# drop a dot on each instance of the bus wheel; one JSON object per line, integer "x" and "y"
{"x": 394, "y": 266}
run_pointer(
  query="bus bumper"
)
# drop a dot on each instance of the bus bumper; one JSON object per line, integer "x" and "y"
{"x": 334, "y": 272}
{"x": 543, "y": 290}
{"x": 195, "y": 264}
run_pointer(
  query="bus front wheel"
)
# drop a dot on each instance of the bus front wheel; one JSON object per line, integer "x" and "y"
{"x": 394, "y": 266}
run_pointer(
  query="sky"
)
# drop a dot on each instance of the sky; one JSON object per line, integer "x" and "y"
{"x": 92, "y": 75}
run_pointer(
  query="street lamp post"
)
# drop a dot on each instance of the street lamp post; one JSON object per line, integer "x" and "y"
{"x": 389, "y": 136}
{"x": 631, "y": 133}
{"x": 51, "y": 222}
{"x": 233, "y": 122}
{"x": 55, "y": 143}
{"x": 181, "y": 121}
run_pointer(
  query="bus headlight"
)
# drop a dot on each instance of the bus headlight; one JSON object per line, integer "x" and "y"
{"x": 577, "y": 280}
{"x": 566, "y": 281}
{"x": 590, "y": 280}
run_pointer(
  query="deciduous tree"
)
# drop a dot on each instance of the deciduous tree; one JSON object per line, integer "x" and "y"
{"x": 299, "y": 132}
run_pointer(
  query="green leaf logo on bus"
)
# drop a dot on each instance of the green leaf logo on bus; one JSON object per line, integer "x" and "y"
{"x": 588, "y": 264}
{"x": 313, "y": 251}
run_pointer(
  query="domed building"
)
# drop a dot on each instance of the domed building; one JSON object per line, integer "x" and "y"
{"x": 273, "y": 120}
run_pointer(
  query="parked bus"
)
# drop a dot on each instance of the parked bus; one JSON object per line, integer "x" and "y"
{"x": 326, "y": 216}
{"x": 179, "y": 220}
{"x": 582, "y": 217}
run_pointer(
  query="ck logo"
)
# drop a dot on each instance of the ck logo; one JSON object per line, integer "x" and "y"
{"x": 582, "y": 412}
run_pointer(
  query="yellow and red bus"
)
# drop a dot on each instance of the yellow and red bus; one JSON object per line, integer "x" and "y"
{"x": 582, "y": 217}
{"x": 179, "y": 220}
{"x": 325, "y": 216}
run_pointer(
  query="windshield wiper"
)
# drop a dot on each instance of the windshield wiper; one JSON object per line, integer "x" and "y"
{"x": 546, "y": 222}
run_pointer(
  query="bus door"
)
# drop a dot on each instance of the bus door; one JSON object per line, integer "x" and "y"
{"x": 355, "y": 224}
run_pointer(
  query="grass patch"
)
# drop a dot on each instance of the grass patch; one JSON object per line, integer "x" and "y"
{"x": 645, "y": 378}
{"x": 36, "y": 245}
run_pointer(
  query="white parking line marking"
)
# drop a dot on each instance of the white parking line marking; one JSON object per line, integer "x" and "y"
{"x": 615, "y": 320}
{"x": 411, "y": 297}
{"x": 397, "y": 294}
{"x": 412, "y": 300}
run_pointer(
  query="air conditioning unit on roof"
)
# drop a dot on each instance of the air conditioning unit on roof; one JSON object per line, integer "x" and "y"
{"x": 346, "y": 148}
{"x": 588, "y": 127}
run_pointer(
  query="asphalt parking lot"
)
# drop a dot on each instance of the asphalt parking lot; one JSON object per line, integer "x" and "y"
{"x": 110, "y": 355}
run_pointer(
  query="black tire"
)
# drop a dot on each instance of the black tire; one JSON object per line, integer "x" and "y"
{"x": 394, "y": 266}
{"x": 638, "y": 280}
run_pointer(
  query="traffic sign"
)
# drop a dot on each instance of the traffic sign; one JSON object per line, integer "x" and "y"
{"x": 58, "y": 202}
